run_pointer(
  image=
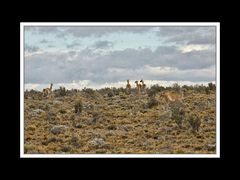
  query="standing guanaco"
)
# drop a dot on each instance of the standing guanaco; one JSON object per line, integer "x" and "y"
{"x": 128, "y": 87}
{"x": 139, "y": 87}
{"x": 47, "y": 91}
{"x": 172, "y": 97}
{"x": 143, "y": 87}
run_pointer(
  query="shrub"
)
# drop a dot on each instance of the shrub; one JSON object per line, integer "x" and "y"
{"x": 29, "y": 148}
{"x": 95, "y": 114}
{"x": 104, "y": 91}
{"x": 89, "y": 91}
{"x": 65, "y": 148}
{"x": 211, "y": 86}
{"x": 154, "y": 90}
{"x": 152, "y": 102}
{"x": 176, "y": 87}
{"x": 207, "y": 90}
{"x": 178, "y": 112}
{"x": 26, "y": 94}
{"x": 74, "y": 141}
{"x": 62, "y": 111}
{"x": 52, "y": 140}
{"x": 112, "y": 127}
{"x": 200, "y": 89}
{"x": 50, "y": 116}
{"x": 194, "y": 121}
{"x": 58, "y": 129}
{"x": 33, "y": 94}
{"x": 31, "y": 127}
{"x": 97, "y": 143}
{"x": 117, "y": 91}
{"x": 110, "y": 94}
{"x": 78, "y": 106}
{"x": 96, "y": 117}
{"x": 72, "y": 92}
{"x": 187, "y": 87}
{"x": 62, "y": 91}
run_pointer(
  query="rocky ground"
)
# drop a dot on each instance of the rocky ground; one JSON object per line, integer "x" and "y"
{"x": 105, "y": 122}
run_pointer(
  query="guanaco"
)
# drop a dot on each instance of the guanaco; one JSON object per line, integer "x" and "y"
{"x": 172, "y": 97}
{"x": 128, "y": 87}
{"x": 143, "y": 87}
{"x": 47, "y": 91}
{"x": 139, "y": 87}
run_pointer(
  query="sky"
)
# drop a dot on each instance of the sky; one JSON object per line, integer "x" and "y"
{"x": 96, "y": 57}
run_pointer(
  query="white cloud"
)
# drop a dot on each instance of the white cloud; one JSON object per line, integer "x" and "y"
{"x": 160, "y": 70}
{"x": 186, "y": 56}
{"x": 161, "y": 64}
{"x": 175, "y": 73}
{"x": 194, "y": 47}
{"x": 29, "y": 54}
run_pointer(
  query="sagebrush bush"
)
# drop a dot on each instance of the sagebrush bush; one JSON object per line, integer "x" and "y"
{"x": 194, "y": 121}
{"x": 62, "y": 91}
{"x": 110, "y": 94}
{"x": 178, "y": 112}
{"x": 62, "y": 111}
{"x": 211, "y": 86}
{"x": 96, "y": 116}
{"x": 207, "y": 90}
{"x": 65, "y": 148}
{"x": 78, "y": 106}
{"x": 152, "y": 102}
{"x": 117, "y": 91}
{"x": 154, "y": 90}
{"x": 72, "y": 92}
{"x": 52, "y": 140}
{"x": 97, "y": 143}
{"x": 32, "y": 94}
{"x": 104, "y": 91}
{"x": 187, "y": 87}
{"x": 200, "y": 88}
{"x": 176, "y": 87}
{"x": 50, "y": 116}
{"x": 74, "y": 141}
{"x": 112, "y": 127}
{"x": 90, "y": 92}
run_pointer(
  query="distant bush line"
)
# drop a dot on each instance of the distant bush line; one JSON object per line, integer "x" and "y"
{"x": 110, "y": 92}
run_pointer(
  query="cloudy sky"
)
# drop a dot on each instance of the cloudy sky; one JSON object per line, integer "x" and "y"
{"x": 108, "y": 56}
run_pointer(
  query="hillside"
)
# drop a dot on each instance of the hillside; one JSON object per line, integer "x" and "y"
{"x": 111, "y": 121}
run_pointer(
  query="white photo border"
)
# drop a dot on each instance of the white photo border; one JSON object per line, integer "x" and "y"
{"x": 202, "y": 24}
